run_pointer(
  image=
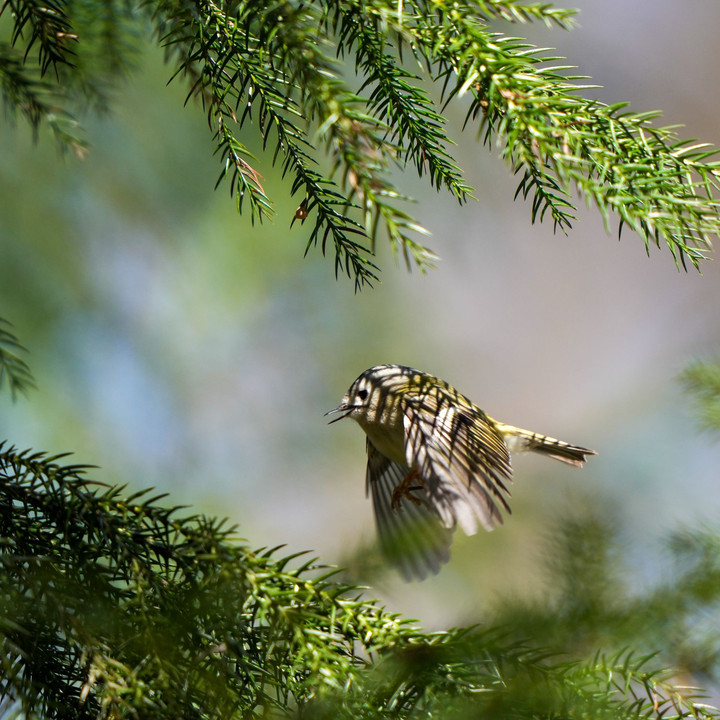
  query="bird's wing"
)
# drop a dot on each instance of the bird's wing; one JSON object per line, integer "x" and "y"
{"x": 412, "y": 537}
{"x": 461, "y": 457}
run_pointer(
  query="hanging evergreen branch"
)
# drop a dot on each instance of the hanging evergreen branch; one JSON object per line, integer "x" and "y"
{"x": 273, "y": 69}
{"x": 412, "y": 122}
{"x": 13, "y": 369}
{"x": 111, "y": 32}
{"x": 659, "y": 186}
{"x": 46, "y": 24}
{"x": 38, "y": 100}
{"x": 281, "y": 79}
{"x": 516, "y": 11}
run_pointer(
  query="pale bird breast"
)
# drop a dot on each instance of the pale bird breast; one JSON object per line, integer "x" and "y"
{"x": 386, "y": 432}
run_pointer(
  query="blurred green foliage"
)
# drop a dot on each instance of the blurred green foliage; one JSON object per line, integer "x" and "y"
{"x": 13, "y": 369}
{"x": 702, "y": 380}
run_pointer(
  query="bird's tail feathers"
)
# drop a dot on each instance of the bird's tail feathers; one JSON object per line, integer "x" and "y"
{"x": 519, "y": 440}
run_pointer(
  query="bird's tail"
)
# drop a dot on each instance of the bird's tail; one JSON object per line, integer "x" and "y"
{"x": 519, "y": 440}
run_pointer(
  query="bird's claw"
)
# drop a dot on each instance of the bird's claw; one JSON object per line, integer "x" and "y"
{"x": 405, "y": 490}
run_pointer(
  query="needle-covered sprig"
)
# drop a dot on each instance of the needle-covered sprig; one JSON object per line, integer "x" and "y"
{"x": 13, "y": 369}
{"x": 339, "y": 94}
{"x": 113, "y": 604}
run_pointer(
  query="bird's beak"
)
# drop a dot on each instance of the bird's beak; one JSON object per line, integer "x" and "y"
{"x": 342, "y": 408}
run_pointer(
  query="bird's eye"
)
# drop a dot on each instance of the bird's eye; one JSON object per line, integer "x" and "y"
{"x": 362, "y": 394}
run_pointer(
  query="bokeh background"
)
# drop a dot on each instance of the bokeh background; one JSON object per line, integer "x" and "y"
{"x": 177, "y": 346}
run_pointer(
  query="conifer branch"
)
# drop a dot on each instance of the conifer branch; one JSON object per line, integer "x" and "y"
{"x": 113, "y": 605}
{"x": 277, "y": 69}
{"x": 111, "y": 32}
{"x": 413, "y": 124}
{"x": 258, "y": 78}
{"x": 13, "y": 369}
{"x": 516, "y": 11}
{"x": 45, "y": 23}
{"x": 663, "y": 188}
{"x": 39, "y": 101}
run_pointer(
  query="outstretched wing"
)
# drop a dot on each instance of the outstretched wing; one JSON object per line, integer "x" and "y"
{"x": 460, "y": 455}
{"x": 412, "y": 537}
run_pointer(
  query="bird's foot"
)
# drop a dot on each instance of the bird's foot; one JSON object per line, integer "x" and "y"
{"x": 405, "y": 490}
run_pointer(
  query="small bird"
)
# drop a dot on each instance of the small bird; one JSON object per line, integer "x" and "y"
{"x": 435, "y": 460}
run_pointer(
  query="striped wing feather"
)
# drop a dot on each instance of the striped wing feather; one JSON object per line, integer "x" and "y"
{"x": 412, "y": 537}
{"x": 461, "y": 457}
